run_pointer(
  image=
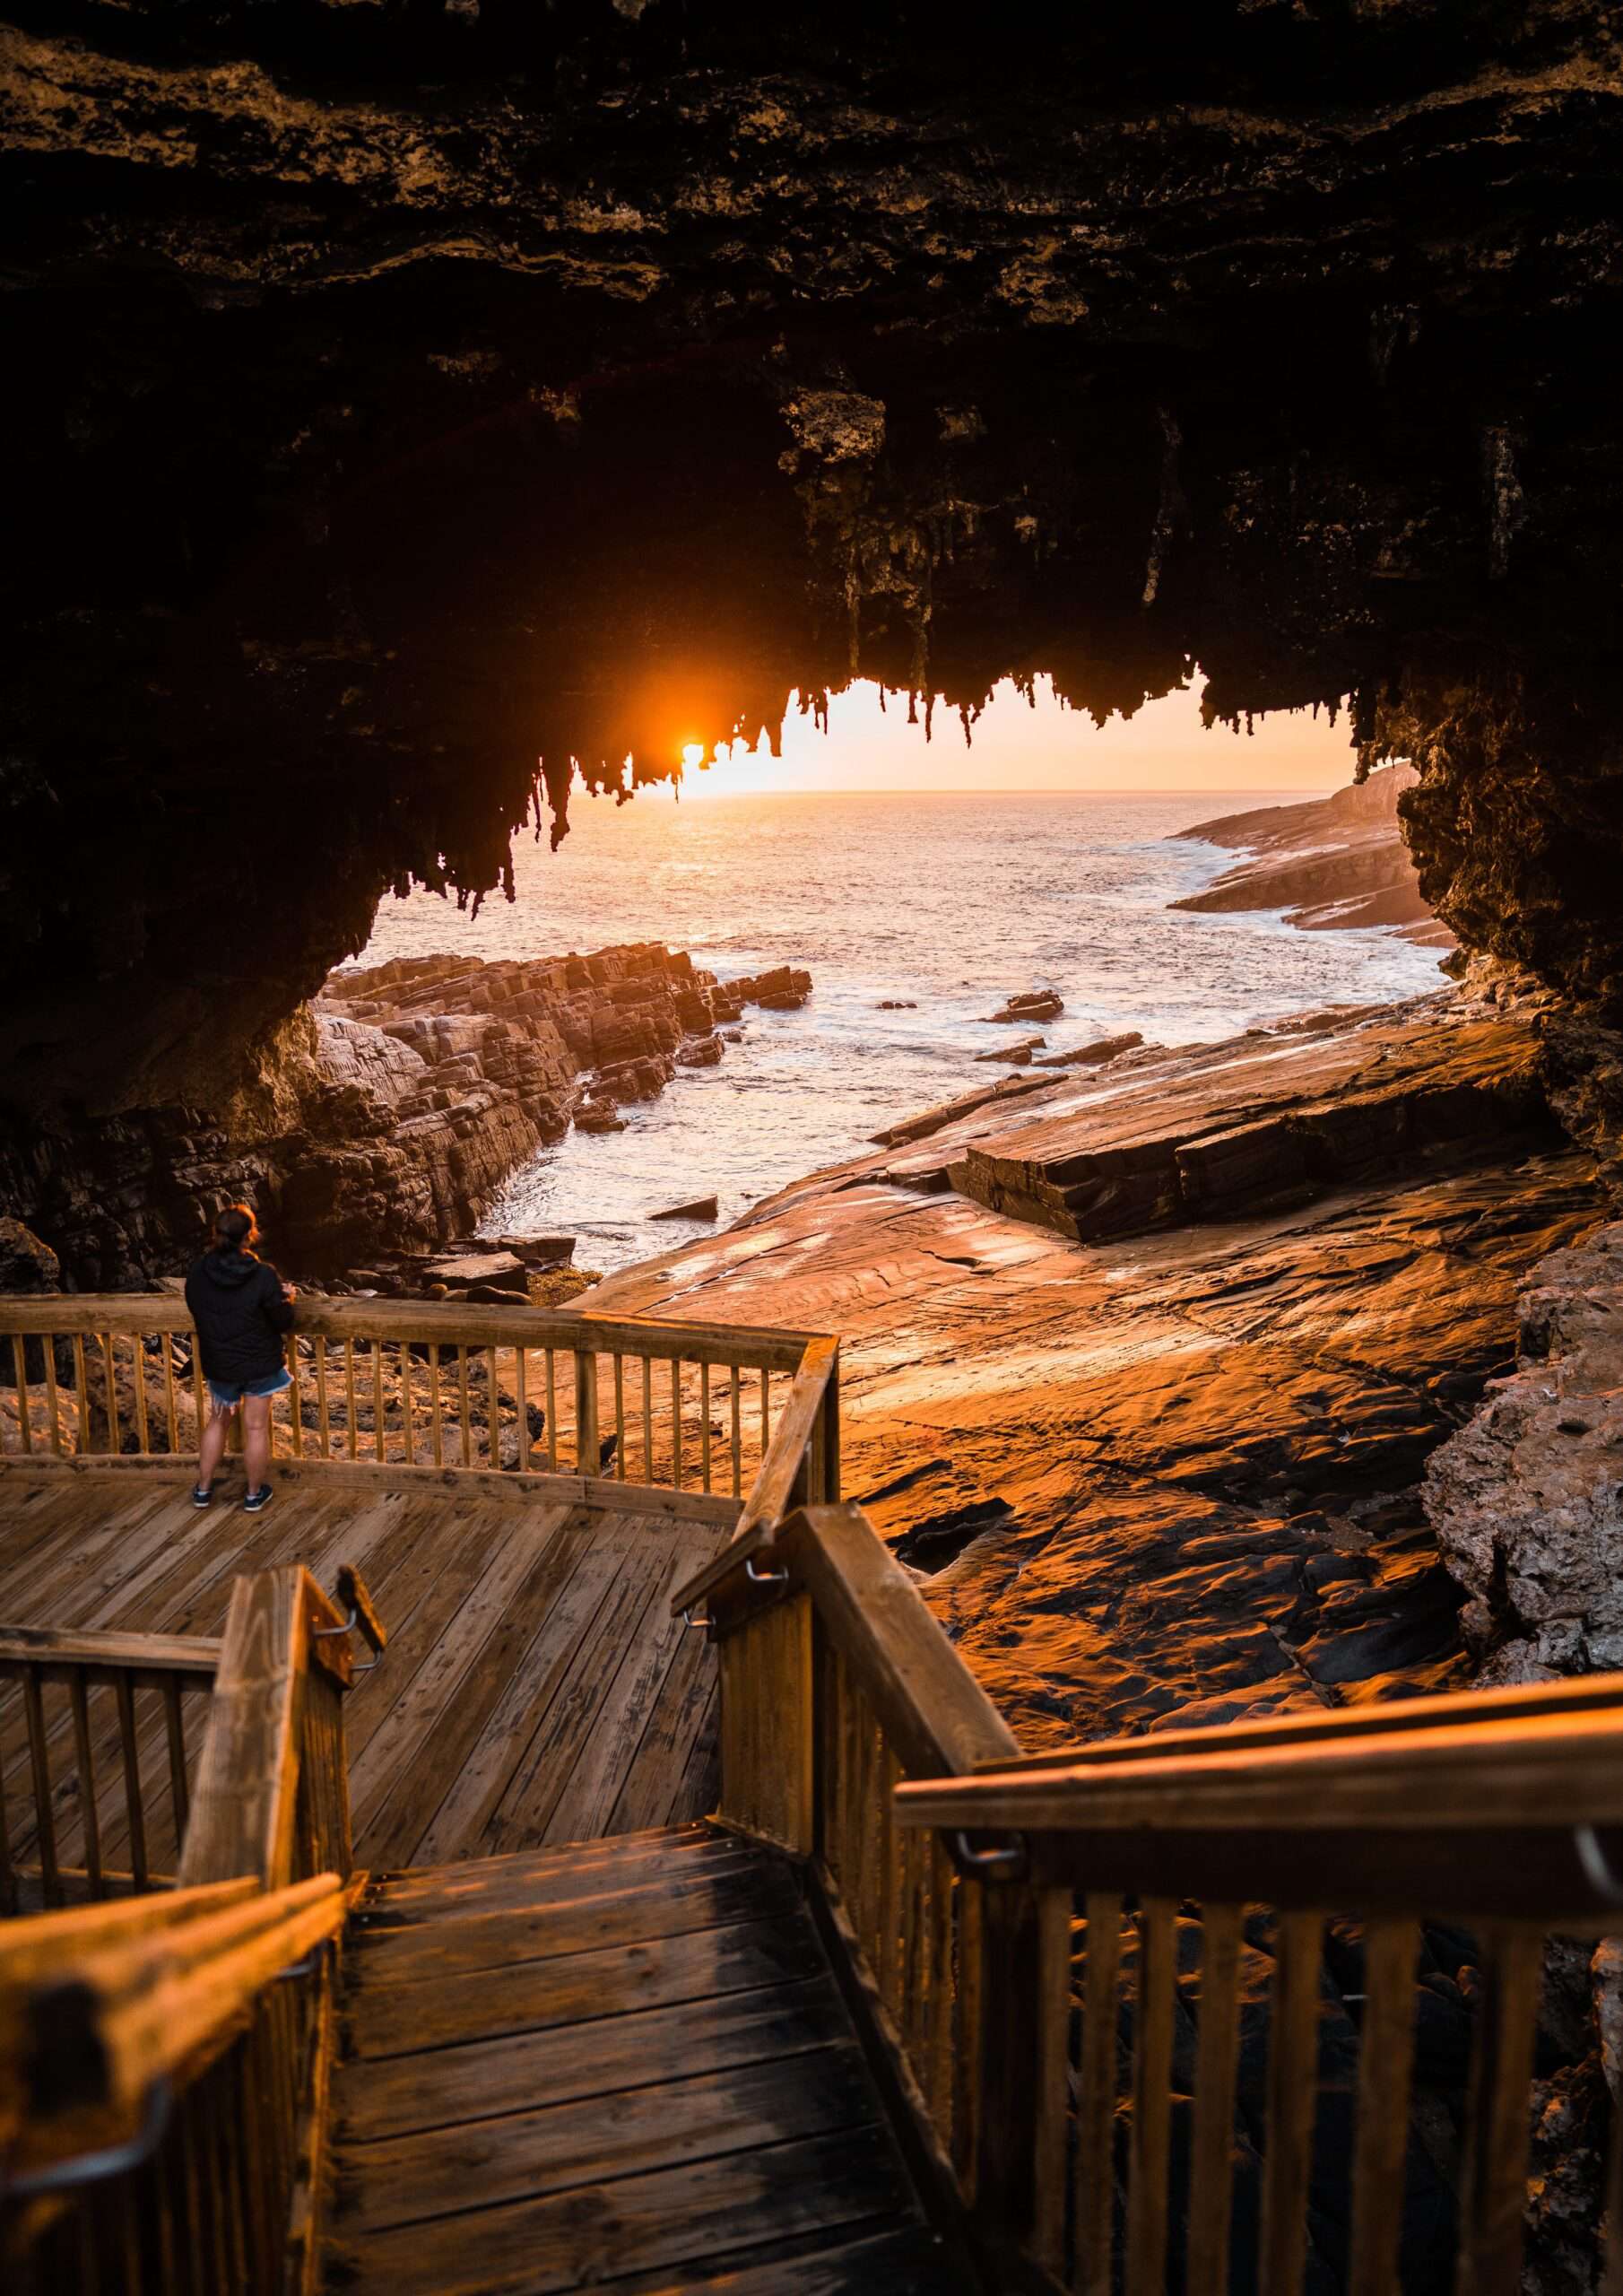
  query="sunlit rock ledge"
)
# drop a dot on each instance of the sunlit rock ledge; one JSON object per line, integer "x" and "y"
{"x": 1172, "y": 1471}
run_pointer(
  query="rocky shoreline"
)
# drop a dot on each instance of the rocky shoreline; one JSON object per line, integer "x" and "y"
{"x": 1332, "y": 863}
{"x": 378, "y": 1122}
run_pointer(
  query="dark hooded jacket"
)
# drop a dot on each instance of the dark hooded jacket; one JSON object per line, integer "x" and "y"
{"x": 236, "y": 1303}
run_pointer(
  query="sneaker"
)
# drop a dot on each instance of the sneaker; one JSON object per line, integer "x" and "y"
{"x": 257, "y": 1499}
{"x": 200, "y": 1497}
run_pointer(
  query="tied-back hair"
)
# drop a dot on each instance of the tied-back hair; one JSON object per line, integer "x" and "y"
{"x": 234, "y": 1229}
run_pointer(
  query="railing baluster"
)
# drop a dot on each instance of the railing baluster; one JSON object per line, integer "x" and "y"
{"x": 138, "y": 1366}
{"x": 1392, "y": 1952}
{"x": 295, "y": 1402}
{"x": 349, "y": 1395}
{"x": 171, "y": 1414}
{"x": 1148, "y": 2146}
{"x": 704, "y": 1426}
{"x": 620, "y": 1416}
{"x": 737, "y": 1444}
{"x": 1493, "y": 2183}
{"x": 90, "y": 1816}
{"x": 175, "y": 1732}
{"x": 1217, "y": 2064}
{"x": 124, "y": 1690}
{"x": 378, "y": 1441}
{"x": 1293, "y": 2095}
{"x": 114, "y": 1433}
{"x": 435, "y": 1406}
{"x": 45, "y": 1818}
{"x": 199, "y": 1387}
{"x": 324, "y": 1417}
{"x": 53, "y": 1400}
{"x": 647, "y": 1419}
{"x": 766, "y": 1411}
{"x": 551, "y": 1427}
{"x": 19, "y": 1363}
{"x": 587, "y": 1459}
{"x": 462, "y": 1407}
{"x": 1095, "y": 2203}
{"x": 493, "y": 1413}
{"x": 676, "y": 1423}
{"x": 521, "y": 1387}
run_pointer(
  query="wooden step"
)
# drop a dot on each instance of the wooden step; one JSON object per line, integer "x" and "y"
{"x": 622, "y": 2062}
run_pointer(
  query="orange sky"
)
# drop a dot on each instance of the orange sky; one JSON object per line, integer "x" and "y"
{"x": 1016, "y": 747}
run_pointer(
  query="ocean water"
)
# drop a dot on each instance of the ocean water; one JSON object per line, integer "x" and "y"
{"x": 951, "y": 903}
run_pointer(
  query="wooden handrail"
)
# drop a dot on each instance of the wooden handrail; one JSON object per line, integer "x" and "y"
{"x": 447, "y": 1322}
{"x": 779, "y": 1481}
{"x": 934, "y": 1712}
{"x": 130, "y": 2010}
{"x": 1472, "y": 1709}
{"x": 55, "y": 1652}
{"x": 245, "y": 1805}
{"x": 1558, "y": 1769}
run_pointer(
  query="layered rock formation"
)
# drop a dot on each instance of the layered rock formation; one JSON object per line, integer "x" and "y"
{"x": 1172, "y": 1471}
{"x": 383, "y": 1118}
{"x": 1335, "y": 862}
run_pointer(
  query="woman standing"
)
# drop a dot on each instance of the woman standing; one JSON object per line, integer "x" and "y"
{"x": 241, "y": 1307}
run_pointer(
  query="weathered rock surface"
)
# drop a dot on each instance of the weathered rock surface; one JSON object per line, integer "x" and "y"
{"x": 383, "y": 1117}
{"x": 1334, "y": 862}
{"x": 1175, "y": 1469}
{"x": 1527, "y": 1500}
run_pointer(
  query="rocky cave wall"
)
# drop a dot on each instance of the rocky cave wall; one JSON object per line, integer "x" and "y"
{"x": 420, "y": 403}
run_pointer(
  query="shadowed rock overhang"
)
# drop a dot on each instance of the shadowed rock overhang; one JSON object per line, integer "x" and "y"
{"x": 417, "y": 405}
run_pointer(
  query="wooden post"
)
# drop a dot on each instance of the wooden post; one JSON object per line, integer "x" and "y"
{"x": 243, "y": 1804}
{"x": 767, "y": 1726}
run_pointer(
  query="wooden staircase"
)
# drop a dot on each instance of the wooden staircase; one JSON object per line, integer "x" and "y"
{"x": 627, "y": 2061}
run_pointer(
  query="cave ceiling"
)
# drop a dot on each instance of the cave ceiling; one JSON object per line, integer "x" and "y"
{"x": 414, "y": 407}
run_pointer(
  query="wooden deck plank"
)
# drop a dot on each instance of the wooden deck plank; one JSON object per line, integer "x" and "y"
{"x": 396, "y": 1834}
{"x": 577, "y": 1988}
{"x": 524, "y": 1814}
{"x": 587, "y": 2235}
{"x": 507, "y": 1877}
{"x": 547, "y": 1880}
{"x": 655, "y": 1773}
{"x": 519, "y": 2156}
{"x": 467, "y": 2080}
{"x": 597, "y": 1778}
{"x": 904, "y": 2260}
{"x": 431, "y": 1947}
{"x": 461, "y": 1824}
{"x": 405, "y": 1749}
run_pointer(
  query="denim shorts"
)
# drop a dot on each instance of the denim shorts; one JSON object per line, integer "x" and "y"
{"x": 273, "y": 1383}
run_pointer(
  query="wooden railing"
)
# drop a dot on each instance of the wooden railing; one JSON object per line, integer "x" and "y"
{"x": 1055, "y": 1952}
{"x": 98, "y": 1741}
{"x": 837, "y": 1684}
{"x": 685, "y": 1408}
{"x": 164, "y": 2058}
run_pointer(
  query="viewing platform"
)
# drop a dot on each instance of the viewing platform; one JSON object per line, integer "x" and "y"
{"x": 555, "y": 1847}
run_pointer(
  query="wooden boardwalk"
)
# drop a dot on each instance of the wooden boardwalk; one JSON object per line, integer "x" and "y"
{"x": 536, "y": 1689}
{"x": 625, "y": 2063}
